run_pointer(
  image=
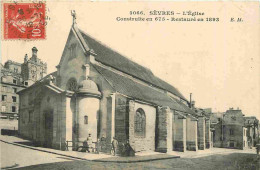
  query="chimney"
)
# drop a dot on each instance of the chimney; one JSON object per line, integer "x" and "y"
{"x": 190, "y": 100}
{"x": 25, "y": 58}
{"x": 34, "y": 52}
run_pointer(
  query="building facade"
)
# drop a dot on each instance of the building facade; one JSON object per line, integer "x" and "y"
{"x": 97, "y": 91}
{"x": 232, "y": 130}
{"x": 15, "y": 77}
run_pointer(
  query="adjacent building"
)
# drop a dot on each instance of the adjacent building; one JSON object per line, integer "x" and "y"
{"x": 232, "y": 130}
{"x": 18, "y": 76}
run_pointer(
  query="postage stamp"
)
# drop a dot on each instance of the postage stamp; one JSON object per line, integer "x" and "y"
{"x": 24, "y": 21}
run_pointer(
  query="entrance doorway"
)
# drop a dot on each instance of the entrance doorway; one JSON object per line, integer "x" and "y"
{"x": 48, "y": 126}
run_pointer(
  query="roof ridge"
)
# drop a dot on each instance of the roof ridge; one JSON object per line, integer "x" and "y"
{"x": 112, "y": 49}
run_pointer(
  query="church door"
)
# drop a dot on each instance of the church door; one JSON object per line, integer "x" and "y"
{"x": 48, "y": 124}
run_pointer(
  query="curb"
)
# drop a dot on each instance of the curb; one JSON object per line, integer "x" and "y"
{"x": 129, "y": 161}
{"x": 94, "y": 160}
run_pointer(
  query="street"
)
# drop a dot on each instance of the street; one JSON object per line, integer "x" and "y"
{"x": 23, "y": 158}
{"x": 15, "y": 156}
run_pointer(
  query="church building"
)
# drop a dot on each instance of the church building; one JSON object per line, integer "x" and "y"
{"x": 98, "y": 91}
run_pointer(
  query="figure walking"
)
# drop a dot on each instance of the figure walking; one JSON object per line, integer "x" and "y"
{"x": 89, "y": 142}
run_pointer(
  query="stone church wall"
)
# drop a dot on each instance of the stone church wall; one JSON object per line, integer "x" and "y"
{"x": 33, "y": 121}
{"x": 142, "y": 143}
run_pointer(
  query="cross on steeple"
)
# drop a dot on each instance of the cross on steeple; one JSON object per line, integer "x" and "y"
{"x": 73, "y": 14}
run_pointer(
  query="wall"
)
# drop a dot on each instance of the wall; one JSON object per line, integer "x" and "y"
{"x": 87, "y": 107}
{"x": 191, "y": 135}
{"x": 72, "y": 61}
{"x": 236, "y": 138}
{"x": 179, "y": 140}
{"x": 164, "y": 129}
{"x": 121, "y": 119}
{"x": 217, "y": 134}
{"x": 201, "y": 133}
{"x": 36, "y": 103}
{"x": 142, "y": 143}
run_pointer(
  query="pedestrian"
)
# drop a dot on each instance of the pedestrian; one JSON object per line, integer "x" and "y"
{"x": 114, "y": 146}
{"x": 89, "y": 142}
{"x": 103, "y": 143}
{"x": 85, "y": 146}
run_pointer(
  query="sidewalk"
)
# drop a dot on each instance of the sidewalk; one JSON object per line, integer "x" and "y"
{"x": 212, "y": 151}
{"x": 102, "y": 157}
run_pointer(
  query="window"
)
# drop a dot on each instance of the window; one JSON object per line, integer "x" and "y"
{"x": 14, "y": 98}
{"x": 26, "y": 83}
{"x": 219, "y": 119}
{"x": 231, "y": 132}
{"x": 14, "y": 81}
{"x": 4, "y": 88}
{"x": 4, "y": 97}
{"x": 3, "y": 108}
{"x": 140, "y": 123}
{"x": 30, "y": 115}
{"x": 15, "y": 70}
{"x": 13, "y": 109}
{"x": 72, "y": 84}
{"x": 85, "y": 119}
{"x": 14, "y": 90}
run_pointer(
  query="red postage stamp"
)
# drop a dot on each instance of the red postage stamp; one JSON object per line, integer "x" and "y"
{"x": 24, "y": 21}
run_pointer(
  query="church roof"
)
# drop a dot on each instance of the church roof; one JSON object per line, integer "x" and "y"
{"x": 131, "y": 88}
{"x": 109, "y": 57}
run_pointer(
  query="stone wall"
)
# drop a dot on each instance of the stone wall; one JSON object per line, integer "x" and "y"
{"x": 234, "y": 140}
{"x": 191, "y": 134}
{"x": 44, "y": 120}
{"x": 207, "y": 134}
{"x": 179, "y": 139}
{"x": 164, "y": 129}
{"x": 146, "y": 143}
{"x": 201, "y": 133}
{"x": 121, "y": 119}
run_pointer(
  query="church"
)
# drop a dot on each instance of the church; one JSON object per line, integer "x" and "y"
{"x": 98, "y": 91}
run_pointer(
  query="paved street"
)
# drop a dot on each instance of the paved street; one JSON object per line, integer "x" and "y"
{"x": 24, "y": 158}
{"x": 15, "y": 156}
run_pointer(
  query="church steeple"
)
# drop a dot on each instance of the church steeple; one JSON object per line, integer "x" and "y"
{"x": 73, "y": 14}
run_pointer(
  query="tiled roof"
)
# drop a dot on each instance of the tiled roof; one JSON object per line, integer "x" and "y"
{"x": 139, "y": 91}
{"x": 113, "y": 59}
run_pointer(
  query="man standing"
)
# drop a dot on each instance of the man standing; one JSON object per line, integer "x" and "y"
{"x": 114, "y": 146}
{"x": 89, "y": 142}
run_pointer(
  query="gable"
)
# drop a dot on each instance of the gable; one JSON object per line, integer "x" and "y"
{"x": 72, "y": 61}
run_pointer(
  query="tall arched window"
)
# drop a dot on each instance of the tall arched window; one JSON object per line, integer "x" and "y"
{"x": 140, "y": 123}
{"x": 72, "y": 84}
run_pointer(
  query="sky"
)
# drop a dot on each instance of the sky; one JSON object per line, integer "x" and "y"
{"x": 218, "y": 62}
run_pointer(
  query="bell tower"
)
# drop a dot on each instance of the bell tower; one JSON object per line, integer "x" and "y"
{"x": 33, "y": 69}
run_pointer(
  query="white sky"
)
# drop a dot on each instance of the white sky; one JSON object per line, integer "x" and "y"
{"x": 217, "y": 62}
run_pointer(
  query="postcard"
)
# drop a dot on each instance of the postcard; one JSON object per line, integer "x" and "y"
{"x": 130, "y": 84}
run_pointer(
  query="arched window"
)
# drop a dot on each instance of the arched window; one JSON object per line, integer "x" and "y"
{"x": 140, "y": 123}
{"x": 72, "y": 84}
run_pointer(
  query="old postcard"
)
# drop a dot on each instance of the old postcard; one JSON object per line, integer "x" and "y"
{"x": 130, "y": 85}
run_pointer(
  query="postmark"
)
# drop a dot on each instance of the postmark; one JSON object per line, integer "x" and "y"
{"x": 24, "y": 21}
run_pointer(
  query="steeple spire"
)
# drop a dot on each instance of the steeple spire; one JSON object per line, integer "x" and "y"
{"x": 73, "y": 14}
